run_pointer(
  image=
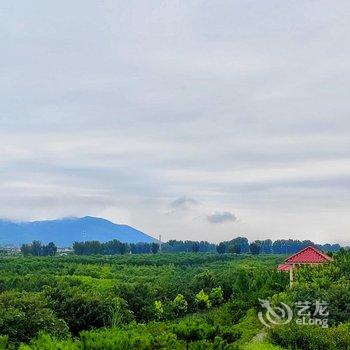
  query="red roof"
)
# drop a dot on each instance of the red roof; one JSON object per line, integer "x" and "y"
{"x": 309, "y": 255}
{"x": 284, "y": 267}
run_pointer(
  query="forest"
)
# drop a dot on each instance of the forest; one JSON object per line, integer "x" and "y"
{"x": 165, "y": 301}
{"x": 238, "y": 245}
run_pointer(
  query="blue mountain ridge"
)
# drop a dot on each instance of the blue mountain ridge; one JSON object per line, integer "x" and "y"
{"x": 64, "y": 232}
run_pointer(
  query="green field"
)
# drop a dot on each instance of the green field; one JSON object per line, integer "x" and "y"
{"x": 163, "y": 301}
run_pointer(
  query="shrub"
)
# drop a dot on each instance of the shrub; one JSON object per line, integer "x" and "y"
{"x": 3, "y": 342}
{"x": 24, "y": 315}
{"x": 86, "y": 309}
{"x": 216, "y": 296}
{"x": 311, "y": 337}
{"x": 179, "y": 305}
{"x": 132, "y": 337}
{"x": 202, "y": 300}
{"x": 158, "y": 309}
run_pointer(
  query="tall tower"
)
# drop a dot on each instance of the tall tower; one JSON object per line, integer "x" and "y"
{"x": 160, "y": 243}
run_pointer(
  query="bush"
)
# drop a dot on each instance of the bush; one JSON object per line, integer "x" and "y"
{"x": 24, "y": 315}
{"x": 3, "y": 342}
{"x": 47, "y": 342}
{"x": 179, "y": 305}
{"x": 158, "y": 309}
{"x": 216, "y": 296}
{"x": 132, "y": 337}
{"x": 202, "y": 300}
{"x": 311, "y": 337}
{"x": 84, "y": 310}
{"x": 190, "y": 331}
{"x": 139, "y": 297}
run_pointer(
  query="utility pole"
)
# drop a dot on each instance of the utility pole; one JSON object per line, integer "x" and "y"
{"x": 160, "y": 243}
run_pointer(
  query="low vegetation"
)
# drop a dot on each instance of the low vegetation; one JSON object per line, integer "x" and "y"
{"x": 165, "y": 301}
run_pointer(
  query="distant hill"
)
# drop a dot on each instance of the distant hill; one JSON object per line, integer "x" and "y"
{"x": 64, "y": 232}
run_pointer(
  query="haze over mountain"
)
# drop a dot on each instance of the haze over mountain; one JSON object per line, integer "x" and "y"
{"x": 63, "y": 232}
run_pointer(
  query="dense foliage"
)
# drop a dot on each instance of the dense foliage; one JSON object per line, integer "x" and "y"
{"x": 166, "y": 301}
{"x": 282, "y": 246}
{"x": 37, "y": 249}
{"x": 239, "y": 245}
{"x": 331, "y": 284}
{"x": 133, "y": 301}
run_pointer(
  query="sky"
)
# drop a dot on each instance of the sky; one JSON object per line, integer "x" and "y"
{"x": 201, "y": 120}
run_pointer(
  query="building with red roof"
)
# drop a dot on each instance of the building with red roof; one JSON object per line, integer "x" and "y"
{"x": 307, "y": 256}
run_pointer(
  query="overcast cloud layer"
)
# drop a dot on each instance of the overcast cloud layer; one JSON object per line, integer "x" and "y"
{"x": 190, "y": 119}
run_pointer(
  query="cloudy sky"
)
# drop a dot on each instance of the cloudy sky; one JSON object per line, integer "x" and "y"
{"x": 190, "y": 119}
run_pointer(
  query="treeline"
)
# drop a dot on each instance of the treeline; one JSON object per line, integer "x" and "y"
{"x": 117, "y": 247}
{"x": 36, "y": 248}
{"x": 113, "y": 247}
{"x": 241, "y": 245}
{"x": 174, "y": 246}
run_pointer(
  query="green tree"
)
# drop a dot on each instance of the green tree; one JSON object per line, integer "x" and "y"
{"x": 86, "y": 309}
{"x": 221, "y": 248}
{"x": 79, "y": 248}
{"x": 23, "y": 315}
{"x": 254, "y": 248}
{"x": 3, "y": 342}
{"x": 242, "y": 242}
{"x": 155, "y": 248}
{"x": 140, "y": 297}
{"x": 26, "y": 249}
{"x": 50, "y": 249}
{"x": 123, "y": 248}
{"x": 204, "y": 280}
{"x": 202, "y": 300}
{"x": 158, "y": 309}
{"x": 111, "y": 247}
{"x": 195, "y": 247}
{"x": 234, "y": 248}
{"x": 37, "y": 248}
{"x": 189, "y": 331}
{"x": 216, "y": 296}
{"x": 179, "y": 305}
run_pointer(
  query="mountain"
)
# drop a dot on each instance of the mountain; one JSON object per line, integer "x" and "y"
{"x": 63, "y": 232}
